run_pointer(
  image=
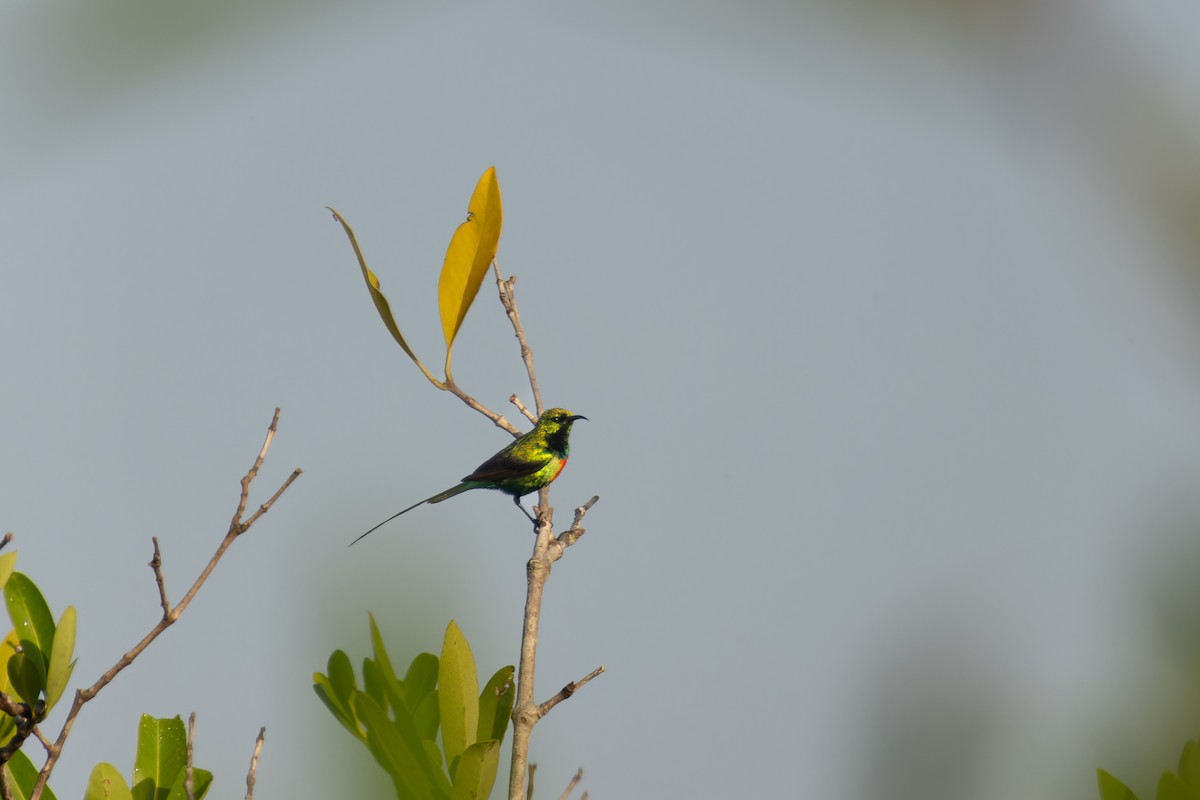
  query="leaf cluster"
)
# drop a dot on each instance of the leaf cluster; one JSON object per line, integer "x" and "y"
{"x": 1183, "y": 785}
{"x": 399, "y": 719}
{"x": 159, "y": 767}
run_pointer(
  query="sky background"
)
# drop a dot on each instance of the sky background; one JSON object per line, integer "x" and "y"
{"x": 884, "y": 316}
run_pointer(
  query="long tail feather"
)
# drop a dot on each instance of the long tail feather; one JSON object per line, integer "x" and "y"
{"x": 437, "y": 498}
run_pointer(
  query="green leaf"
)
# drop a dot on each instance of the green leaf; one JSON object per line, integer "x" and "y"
{"x": 30, "y": 615}
{"x": 1170, "y": 787}
{"x": 1111, "y": 788}
{"x": 427, "y": 716}
{"x": 401, "y": 752}
{"x": 61, "y": 664}
{"x": 495, "y": 705}
{"x": 161, "y": 754}
{"x": 476, "y": 772}
{"x": 107, "y": 783}
{"x": 381, "y": 303}
{"x": 420, "y": 680}
{"x": 341, "y": 676}
{"x": 27, "y": 673}
{"x": 22, "y": 776}
{"x": 472, "y": 250}
{"x": 8, "y": 648}
{"x": 1189, "y": 764}
{"x": 374, "y": 682}
{"x": 342, "y": 713}
{"x": 458, "y": 694}
{"x": 201, "y": 780}
{"x": 7, "y": 562}
{"x": 381, "y": 654}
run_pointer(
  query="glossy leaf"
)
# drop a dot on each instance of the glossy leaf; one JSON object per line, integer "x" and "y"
{"x": 201, "y": 780}
{"x": 26, "y": 674}
{"x": 381, "y": 302}
{"x": 471, "y": 251}
{"x": 8, "y": 648}
{"x": 1111, "y": 788}
{"x": 22, "y": 777}
{"x": 400, "y": 752}
{"x": 107, "y": 783}
{"x": 458, "y": 694}
{"x": 30, "y": 615}
{"x": 476, "y": 772}
{"x": 161, "y": 754}
{"x": 495, "y": 705}
{"x": 61, "y": 663}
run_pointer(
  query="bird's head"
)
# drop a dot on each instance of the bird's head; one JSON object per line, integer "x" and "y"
{"x": 553, "y": 420}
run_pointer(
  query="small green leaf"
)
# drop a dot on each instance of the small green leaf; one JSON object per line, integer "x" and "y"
{"x": 374, "y": 682}
{"x": 427, "y": 717}
{"x": 495, "y": 705}
{"x": 476, "y": 772}
{"x": 341, "y": 676}
{"x": 201, "y": 780}
{"x": 22, "y": 776}
{"x": 381, "y": 302}
{"x": 107, "y": 783}
{"x": 421, "y": 678}
{"x": 161, "y": 754}
{"x": 61, "y": 664}
{"x": 458, "y": 694}
{"x": 472, "y": 250}
{"x": 27, "y": 673}
{"x": 1111, "y": 788}
{"x": 340, "y": 711}
{"x": 30, "y": 615}
{"x": 381, "y": 654}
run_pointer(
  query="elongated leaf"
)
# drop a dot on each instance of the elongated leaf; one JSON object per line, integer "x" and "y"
{"x": 161, "y": 754}
{"x": 373, "y": 681}
{"x": 476, "y": 773}
{"x": 22, "y": 776}
{"x": 61, "y": 663}
{"x": 381, "y": 654}
{"x": 30, "y": 615}
{"x": 1170, "y": 787}
{"x": 471, "y": 251}
{"x": 341, "y": 676}
{"x": 1111, "y": 788}
{"x": 201, "y": 780}
{"x": 458, "y": 694}
{"x": 8, "y": 648}
{"x": 427, "y": 716}
{"x": 495, "y": 705}
{"x": 107, "y": 783}
{"x": 342, "y": 712}
{"x": 381, "y": 303}
{"x": 26, "y": 673}
{"x": 401, "y": 753}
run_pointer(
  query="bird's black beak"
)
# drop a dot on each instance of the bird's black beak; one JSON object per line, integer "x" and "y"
{"x": 577, "y": 416}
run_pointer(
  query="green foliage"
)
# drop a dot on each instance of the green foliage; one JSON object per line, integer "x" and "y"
{"x": 41, "y": 663}
{"x": 22, "y": 775}
{"x": 1182, "y": 786}
{"x": 398, "y": 720}
{"x": 159, "y": 767}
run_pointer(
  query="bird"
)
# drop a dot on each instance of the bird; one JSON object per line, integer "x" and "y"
{"x": 533, "y": 460}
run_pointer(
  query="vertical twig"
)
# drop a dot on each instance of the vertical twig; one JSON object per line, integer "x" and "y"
{"x": 189, "y": 780}
{"x": 250, "y": 776}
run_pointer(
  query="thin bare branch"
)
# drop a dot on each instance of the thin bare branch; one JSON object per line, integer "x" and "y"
{"x": 8, "y": 537}
{"x": 571, "y": 786}
{"x": 567, "y": 691}
{"x": 516, "y": 401}
{"x": 532, "y": 769}
{"x": 250, "y": 776}
{"x": 189, "y": 780}
{"x": 497, "y": 419}
{"x": 170, "y": 614}
{"x": 508, "y": 299}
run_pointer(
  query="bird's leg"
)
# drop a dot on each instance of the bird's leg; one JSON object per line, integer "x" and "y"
{"x": 532, "y": 518}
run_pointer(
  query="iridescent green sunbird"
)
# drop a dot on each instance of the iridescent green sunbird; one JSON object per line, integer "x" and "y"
{"x": 532, "y": 461}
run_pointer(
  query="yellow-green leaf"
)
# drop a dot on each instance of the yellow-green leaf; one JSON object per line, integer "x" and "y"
{"x": 61, "y": 663}
{"x": 107, "y": 783}
{"x": 7, "y": 562}
{"x": 381, "y": 303}
{"x": 471, "y": 251}
{"x": 458, "y": 694}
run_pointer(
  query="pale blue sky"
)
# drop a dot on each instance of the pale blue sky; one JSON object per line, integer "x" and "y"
{"x": 891, "y": 378}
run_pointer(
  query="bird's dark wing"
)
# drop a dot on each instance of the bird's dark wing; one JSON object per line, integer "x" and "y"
{"x": 505, "y": 465}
